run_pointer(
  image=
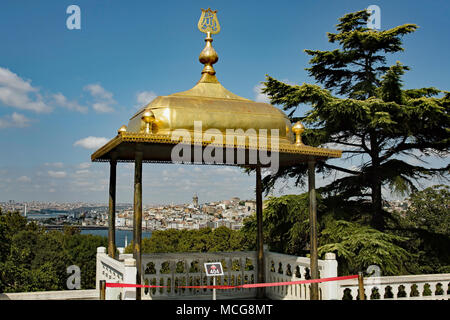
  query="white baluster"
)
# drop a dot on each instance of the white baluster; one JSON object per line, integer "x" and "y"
{"x": 341, "y": 293}
{"x": 172, "y": 265}
{"x": 420, "y": 287}
{"x": 354, "y": 292}
{"x": 408, "y": 290}
{"x": 368, "y": 291}
{"x": 186, "y": 278}
{"x": 433, "y": 286}
{"x": 382, "y": 291}
{"x": 395, "y": 290}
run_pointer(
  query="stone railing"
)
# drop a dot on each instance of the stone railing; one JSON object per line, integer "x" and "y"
{"x": 411, "y": 287}
{"x": 116, "y": 271}
{"x": 282, "y": 268}
{"x": 186, "y": 269}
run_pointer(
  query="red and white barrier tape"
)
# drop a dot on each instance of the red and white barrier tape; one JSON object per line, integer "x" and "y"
{"x": 242, "y": 286}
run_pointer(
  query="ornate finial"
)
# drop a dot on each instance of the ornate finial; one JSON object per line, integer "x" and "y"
{"x": 122, "y": 129}
{"x": 298, "y": 129}
{"x": 208, "y": 24}
{"x": 148, "y": 117}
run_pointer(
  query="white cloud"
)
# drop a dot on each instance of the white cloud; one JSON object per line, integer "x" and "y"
{"x": 16, "y": 120}
{"x": 144, "y": 97}
{"x": 84, "y": 165}
{"x": 97, "y": 188}
{"x": 82, "y": 172}
{"x": 98, "y": 91}
{"x": 259, "y": 96}
{"x": 103, "y": 98}
{"x": 18, "y": 93}
{"x": 227, "y": 170}
{"x": 54, "y": 164}
{"x": 62, "y": 101}
{"x": 102, "y": 107}
{"x": 57, "y": 174}
{"x": 24, "y": 179}
{"x": 91, "y": 142}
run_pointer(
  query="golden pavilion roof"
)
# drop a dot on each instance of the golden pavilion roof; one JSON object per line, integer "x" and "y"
{"x": 205, "y": 111}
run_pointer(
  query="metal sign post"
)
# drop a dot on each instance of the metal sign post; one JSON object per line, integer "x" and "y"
{"x": 213, "y": 269}
{"x": 214, "y": 290}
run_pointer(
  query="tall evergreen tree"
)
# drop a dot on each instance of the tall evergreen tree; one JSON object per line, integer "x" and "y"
{"x": 363, "y": 110}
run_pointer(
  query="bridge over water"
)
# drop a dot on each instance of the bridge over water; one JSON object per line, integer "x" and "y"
{"x": 60, "y": 227}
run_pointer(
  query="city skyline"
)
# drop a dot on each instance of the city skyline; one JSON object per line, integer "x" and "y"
{"x": 64, "y": 93}
{"x": 118, "y": 204}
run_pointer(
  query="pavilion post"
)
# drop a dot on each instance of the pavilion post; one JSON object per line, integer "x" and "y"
{"x": 137, "y": 222}
{"x": 260, "y": 293}
{"x": 314, "y": 260}
{"x": 112, "y": 209}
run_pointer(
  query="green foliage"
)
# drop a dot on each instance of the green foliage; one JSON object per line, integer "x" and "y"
{"x": 354, "y": 70}
{"x": 358, "y": 247}
{"x": 426, "y": 223}
{"x": 32, "y": 259}
{"x": 286, "y": 222}
{"x": 82, "y": 250}
{"x": 430, "y": 210}
{"x": 414, "y": 242}
{"x": 202, "y": 240}
{"x": 364, "y": 111}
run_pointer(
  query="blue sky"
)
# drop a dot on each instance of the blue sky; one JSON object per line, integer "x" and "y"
{"x": 59, "y": 86}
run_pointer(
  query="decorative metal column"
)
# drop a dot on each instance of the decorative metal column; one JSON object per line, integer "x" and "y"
{"x": 112, "y": 209}
{"x": 137, "y": 223}
{"x": 260, "y": 293}
{"x": 314, "y": 262}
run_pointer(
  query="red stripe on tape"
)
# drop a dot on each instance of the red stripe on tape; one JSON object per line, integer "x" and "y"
{"x": 242, "y": 286}
{"x": 275, "y": 284}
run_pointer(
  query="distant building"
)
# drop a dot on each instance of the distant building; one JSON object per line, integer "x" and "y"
{"x": 209, "y": 209}
{"x": 250, "y": 206}
{"x": 236, "y": 226}
{"x": 120, "y": 222}
{"x": 195, "y": 201}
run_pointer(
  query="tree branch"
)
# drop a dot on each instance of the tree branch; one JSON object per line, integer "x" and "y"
{"x": 330, "y": 166}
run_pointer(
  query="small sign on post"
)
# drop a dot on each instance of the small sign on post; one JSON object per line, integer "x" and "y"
{"x": 213, "y": 269}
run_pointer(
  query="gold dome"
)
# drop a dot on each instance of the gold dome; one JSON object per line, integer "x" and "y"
{"x": 206, "y": 110}
{"x": 214, "y": 106}
{"x": 210, "y": 104}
